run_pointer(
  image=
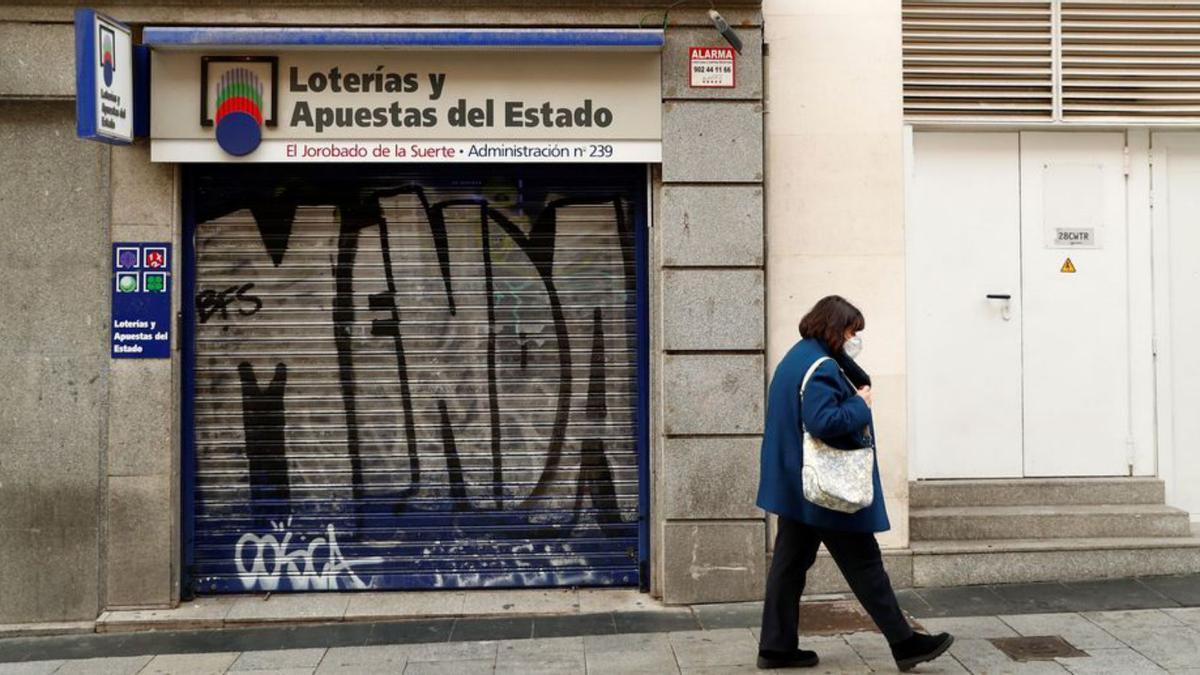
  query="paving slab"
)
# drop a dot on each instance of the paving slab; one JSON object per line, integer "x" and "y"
{"x": 1169, "y": 647}
{"x": 1184, "y": 590}
{"x": 8, "y": 630}
{"x": 961, "y": 601}
{"x": 706, "y": 648}
{"x": 1038, "y": 598}
{"x": 551, "y": 655}
{"x": 284, "y": 671}
{"x": 574, "y": 625}
{"x": 519, "y": 602}
{"x": 360, "y": 669}
{"x": 496, "y": 628}
{"x": 640, "y": 654}
{"x": 452, "y": 651}
{"x": 410, "y": 632}
{"x": 722, "y": 670}
{"x": 1113, "y": 594}
{"x": 190, "y": 664}
{"x": 909, "y": 599}
{"x": 194, "y": 614}
{"x": 482, "y": 666}
{"x": 656, "y": 622}
{"x": 278, "y": 659}
{"x": 382, "y": 606}
{"x": 1132, "y": 621}
{"x": 392, "y": 658}
{"x": 593, "y": 600}
{"x": 981, "y": 656}
{"x": 732, "y": 615}
{"x": 30, "y": 668}
{"x": 1111, "y": 662}
{"x": 970, "y": 627}
{"x": 1188, "y": 615}
{"x": 1073, "y": 628}
{"x": 834, "y": 618}
{"x": 289, "y": 608}
{"x": 112, "y": 665}
{"x": 836, "y": 655}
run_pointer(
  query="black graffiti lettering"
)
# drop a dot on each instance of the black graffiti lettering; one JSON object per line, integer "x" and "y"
{"x": 264, "y": 421}
{"x": 396, "y": 314}
{"x": 454, "y": 469}
{"x": 209, "y": 302}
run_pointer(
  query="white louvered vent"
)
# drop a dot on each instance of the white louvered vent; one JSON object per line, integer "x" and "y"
{"x": 1131, "y": 60}
{"x": 971, "y": 60}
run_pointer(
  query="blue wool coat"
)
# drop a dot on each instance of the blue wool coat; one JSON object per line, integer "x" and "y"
{"x": 833, "y": 412}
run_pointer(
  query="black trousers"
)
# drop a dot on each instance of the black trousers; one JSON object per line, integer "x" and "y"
{"x": 857, "y": 556}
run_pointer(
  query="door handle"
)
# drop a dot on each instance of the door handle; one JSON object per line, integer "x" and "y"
{"x": 1006, "y": 308}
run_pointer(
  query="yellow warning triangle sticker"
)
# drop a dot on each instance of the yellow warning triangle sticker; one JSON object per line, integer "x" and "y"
{"x": 1068, "y": 267}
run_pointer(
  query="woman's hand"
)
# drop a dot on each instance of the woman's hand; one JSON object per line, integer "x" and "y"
{"x": 865, "y": 393}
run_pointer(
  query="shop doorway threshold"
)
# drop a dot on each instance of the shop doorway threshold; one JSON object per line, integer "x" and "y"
{"x": 231, "y": 611}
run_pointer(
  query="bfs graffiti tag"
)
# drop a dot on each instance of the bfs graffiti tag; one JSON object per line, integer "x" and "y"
{"x": 209, "y": 302}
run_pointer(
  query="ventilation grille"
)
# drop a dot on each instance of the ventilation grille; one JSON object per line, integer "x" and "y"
{"x": 1101, "y": 61}
{"x": 1131, "y": 60}
{"x": 978, "y": 61}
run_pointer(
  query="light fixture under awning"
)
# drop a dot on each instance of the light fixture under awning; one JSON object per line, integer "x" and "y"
{"x": 191, "y": 37}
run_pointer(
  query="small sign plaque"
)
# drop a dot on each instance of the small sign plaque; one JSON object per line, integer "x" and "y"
{"x": 141, "y": 301}
{"x": 1074, "y": 237}
{"x": 713, "y": 67}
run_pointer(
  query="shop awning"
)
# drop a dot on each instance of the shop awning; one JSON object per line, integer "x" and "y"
{"x": 193, "y": 37}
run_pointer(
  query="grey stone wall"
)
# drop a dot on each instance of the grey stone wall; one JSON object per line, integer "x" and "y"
{"x": 54, "y": 276}
{"x": 710, "y": 341}
{"x": 142, "y": 502}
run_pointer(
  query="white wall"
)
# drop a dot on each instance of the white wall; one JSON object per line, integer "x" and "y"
{"x": 835, "y": 195}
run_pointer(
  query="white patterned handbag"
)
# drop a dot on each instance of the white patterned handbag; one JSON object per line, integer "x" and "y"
{"x": 840, "y": 480}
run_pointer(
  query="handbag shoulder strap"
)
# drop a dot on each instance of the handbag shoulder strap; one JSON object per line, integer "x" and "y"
{"x": 804, "y": 383}
{"x": 811, "y": 369}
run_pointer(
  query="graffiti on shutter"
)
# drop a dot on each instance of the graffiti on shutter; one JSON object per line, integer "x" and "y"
{"x": 408, "y": 380}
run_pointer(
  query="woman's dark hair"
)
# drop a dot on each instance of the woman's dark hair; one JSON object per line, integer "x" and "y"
{"x": 829, "y": 320}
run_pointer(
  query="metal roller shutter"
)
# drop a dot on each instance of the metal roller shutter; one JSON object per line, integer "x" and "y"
{"x": 413, "y": 378}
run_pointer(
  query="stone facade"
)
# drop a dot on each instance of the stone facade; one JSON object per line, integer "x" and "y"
{"x": 90, "y": 476}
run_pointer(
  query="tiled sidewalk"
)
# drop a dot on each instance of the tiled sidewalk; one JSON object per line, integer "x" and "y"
{"x": 1117, "y": 626}
{"x": 1124, "y": 642}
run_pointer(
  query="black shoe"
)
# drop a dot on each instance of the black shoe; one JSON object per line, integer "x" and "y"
{"x": 920, "y": 648}
{"x": 797, "y": 658}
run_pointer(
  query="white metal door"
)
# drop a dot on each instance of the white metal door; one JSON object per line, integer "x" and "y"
{"x": 1177, "y": 285}
{"x": 1076, "y": 323}
{"x": 965, "y": 349}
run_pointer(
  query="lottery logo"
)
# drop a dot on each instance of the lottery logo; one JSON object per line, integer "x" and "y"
{"x": 156, "y": 258}
{"x": 108, "y": 59}
{"x": 238, "y": 96}
{"x": 127, "y": 282}
{"x": 239, "y": 116}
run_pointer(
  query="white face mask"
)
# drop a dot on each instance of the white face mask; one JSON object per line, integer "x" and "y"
{"x": 853, "y": 347}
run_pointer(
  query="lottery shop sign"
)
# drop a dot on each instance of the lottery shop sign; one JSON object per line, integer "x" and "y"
{"x": 406, "y": 105}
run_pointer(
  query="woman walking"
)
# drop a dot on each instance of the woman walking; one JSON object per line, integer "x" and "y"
{"x": 819, "y": 390}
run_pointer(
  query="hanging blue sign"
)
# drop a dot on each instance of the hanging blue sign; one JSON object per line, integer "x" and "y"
{"x": 141, "y": 300}
{"x": 111, "y": 76}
